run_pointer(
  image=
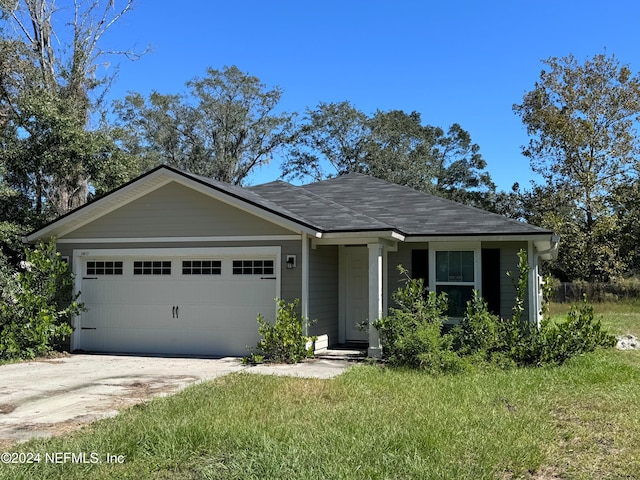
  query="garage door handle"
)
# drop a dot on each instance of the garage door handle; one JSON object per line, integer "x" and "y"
{"x": 268, "y": 278}
{"x": 177, "y": 311}
{"x": 173, "y": 312}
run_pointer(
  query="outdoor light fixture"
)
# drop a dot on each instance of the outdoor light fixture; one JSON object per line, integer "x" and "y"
{"x": 291, "y": 261}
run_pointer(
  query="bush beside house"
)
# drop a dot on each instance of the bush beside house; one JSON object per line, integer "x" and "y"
{"x": 36, "y": 304}
{"x": 284, "y": 341}
{"x": 412, "y": 334}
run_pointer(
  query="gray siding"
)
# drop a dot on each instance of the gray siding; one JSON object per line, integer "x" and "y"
{"x": 176, "y": 211}
{"x": 401, "y": 257}
{"x": 323, "y": 291}
{"x": 508, "y": 263}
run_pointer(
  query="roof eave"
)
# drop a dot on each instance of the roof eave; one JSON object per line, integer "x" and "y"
{"x": 360, "y": 234}
{"x": 487, "y": 237}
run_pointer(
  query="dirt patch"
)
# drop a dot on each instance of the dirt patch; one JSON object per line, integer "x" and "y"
{"x": 47, "y": 430}
{"x": 6, "y": 408}
{"x": 53, "y": 357}
{"x": 546, "y": 473}
{"x": 140, "y": 391}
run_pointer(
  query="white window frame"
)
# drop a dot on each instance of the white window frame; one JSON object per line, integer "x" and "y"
{"x": 475, "y": 247}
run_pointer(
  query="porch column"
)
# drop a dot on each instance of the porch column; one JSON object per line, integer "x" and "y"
{"x": 375, "y": 297}
{"x": 304, "y": 303}
{"x": 533, "y": 285}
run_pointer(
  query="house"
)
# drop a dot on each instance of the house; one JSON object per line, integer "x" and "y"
{"x": 176, "y": 263}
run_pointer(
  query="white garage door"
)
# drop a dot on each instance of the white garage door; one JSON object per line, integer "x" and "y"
{"x": 196, "y": 304}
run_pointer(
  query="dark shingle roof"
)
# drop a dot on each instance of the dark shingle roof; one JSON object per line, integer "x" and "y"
{"x": 413, "y": 212}
{"x": 325, "y": 213}
{"x": 357, "y": 202}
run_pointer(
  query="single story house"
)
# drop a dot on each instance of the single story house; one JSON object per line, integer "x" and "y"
{"x": 176, "y": 263}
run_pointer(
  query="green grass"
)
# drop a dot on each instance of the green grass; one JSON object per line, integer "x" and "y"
{"x": 577, "y": 421}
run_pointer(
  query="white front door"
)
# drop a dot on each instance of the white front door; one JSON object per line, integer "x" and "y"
{"x": 357, "y": 294}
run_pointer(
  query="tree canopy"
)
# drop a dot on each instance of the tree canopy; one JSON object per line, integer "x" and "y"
{"x": 51, "y": 155}
{"x": 224, "y": 128}
{"x": 337, "y": 138}
{"x": 59, "y": 146}
{"x": 582, "y": 120}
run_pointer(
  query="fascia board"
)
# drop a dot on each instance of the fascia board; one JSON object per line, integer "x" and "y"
{"x": 536, "y": 237}
{"x": 390, "y": 234}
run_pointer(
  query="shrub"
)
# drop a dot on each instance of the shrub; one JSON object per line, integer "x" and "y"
{"x": 514, "y": 341}
{"x": 36, "y": 304}
{"x": 578, "y": 333}
{"x": 282, "y": 342}
{"x": 412, "y": 335}
{"x": 479, "y": 332}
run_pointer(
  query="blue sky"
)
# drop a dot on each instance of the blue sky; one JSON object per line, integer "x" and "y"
{"x": 460, "y": 62}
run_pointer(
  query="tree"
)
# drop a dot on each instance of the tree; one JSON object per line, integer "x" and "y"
{"x": 427, "y": 158}
{"x": 582, "y": 122}
{"x": 334, "y": 135}
{"x": 224, "y": 128}
{"x": 627, "y": 220}
{"x": 336, "y": 138}
{"x": 49, "y": 91}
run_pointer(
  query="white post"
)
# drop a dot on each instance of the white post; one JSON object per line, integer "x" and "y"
{"x": 304, "y": 301}
{"x": 532, "y": 284}
{"x": 375, "y": 297}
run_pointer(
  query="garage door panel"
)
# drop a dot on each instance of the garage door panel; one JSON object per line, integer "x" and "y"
{"x": 216, "y": 313}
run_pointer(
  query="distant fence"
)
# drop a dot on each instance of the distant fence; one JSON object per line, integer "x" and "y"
{"x": 598, "y": 291}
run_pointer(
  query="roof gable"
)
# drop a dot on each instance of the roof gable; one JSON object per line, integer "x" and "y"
{"x": 175, "y": 210}
{"x": 156, "y": 178}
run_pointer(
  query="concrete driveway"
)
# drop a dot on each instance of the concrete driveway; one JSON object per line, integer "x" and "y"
{"x": 53, "y": 396}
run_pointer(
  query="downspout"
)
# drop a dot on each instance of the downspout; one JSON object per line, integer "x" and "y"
{"x": 304, "y": 301}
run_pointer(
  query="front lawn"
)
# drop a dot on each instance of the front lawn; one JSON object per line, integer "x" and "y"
{"x": 577, "y": 421}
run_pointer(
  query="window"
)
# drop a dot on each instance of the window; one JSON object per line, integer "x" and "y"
{"x": 253, "y": 267}
{"x": 104, "y": 267}
{"x": 201, "y": 267}
{"x": 152, "y": 267}
{"x": 454, "y": 267}
{"x": 455, "y": 276}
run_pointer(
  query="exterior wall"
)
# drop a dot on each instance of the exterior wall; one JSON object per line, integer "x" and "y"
{"x": 176, "y": 211}
{"x": 402, "y": 257}
{"x": 508, "y": 263}
{"x": 323, "y": 292}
